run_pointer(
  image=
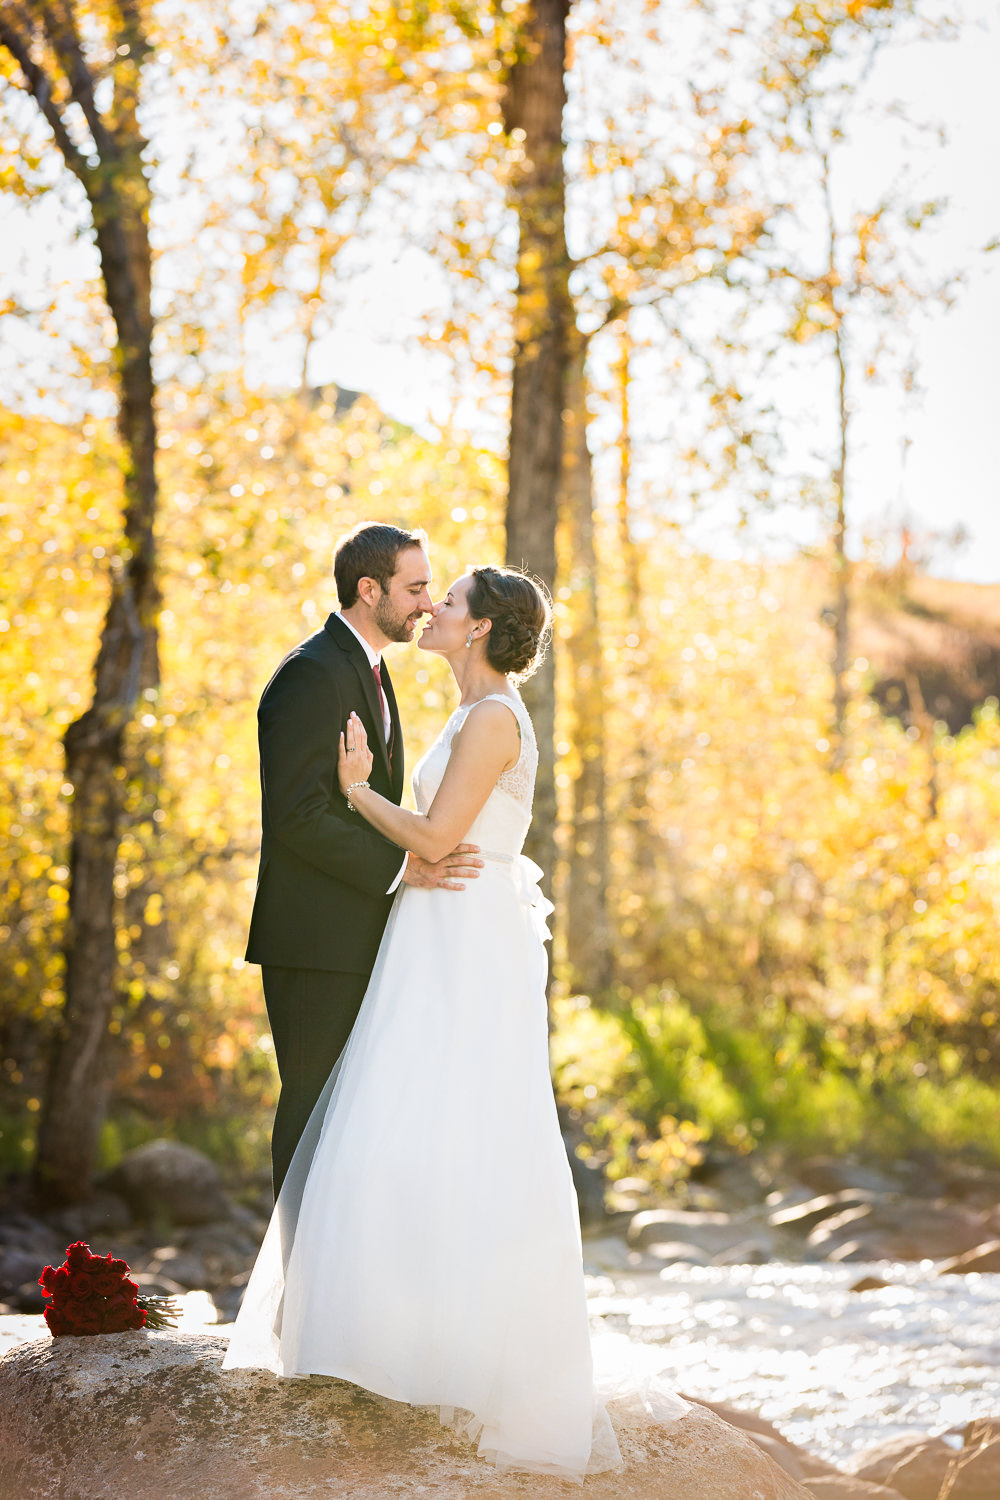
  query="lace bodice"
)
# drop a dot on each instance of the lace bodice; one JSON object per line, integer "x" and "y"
{"x": 503, "y": 821}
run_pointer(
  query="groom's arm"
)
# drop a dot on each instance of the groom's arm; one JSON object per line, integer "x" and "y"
{"x": 299, "y": 720}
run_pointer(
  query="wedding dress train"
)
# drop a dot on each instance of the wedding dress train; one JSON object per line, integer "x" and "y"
{"x": 426, "y": 1242}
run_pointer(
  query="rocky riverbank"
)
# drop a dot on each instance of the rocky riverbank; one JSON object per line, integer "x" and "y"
{"x": 749, "y": 1211}
{"x": 153, "y": 1415}
{"x": 166, "y": 1210}
{"x": 745, "y": 1237}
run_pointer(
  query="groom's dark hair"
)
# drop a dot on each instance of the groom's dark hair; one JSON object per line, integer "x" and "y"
{"x": 371, "y": 550}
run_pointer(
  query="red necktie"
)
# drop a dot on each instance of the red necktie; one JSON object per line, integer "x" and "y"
{"x": 377, "y": 669}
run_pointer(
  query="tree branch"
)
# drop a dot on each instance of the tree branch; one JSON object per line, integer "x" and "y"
{"x": 65, "y": 42}
{"x": 40, "y": 87}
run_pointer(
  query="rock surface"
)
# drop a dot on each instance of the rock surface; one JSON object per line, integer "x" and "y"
{"x": 167, "y": 1180}
{"x": 974, "y": 1474}
{"x": 919, "y": 1474}
{"x": 153, "y": 1417}
{"x": 793, "y": 1459}
{"x": 984, "y": 1257}
{"x": 849, "y": 1487}
{"x": 876, "y": 1464}
{"x": 712, "y": 1233}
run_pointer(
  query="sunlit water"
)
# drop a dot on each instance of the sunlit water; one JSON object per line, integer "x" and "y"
{"x": 836, "y": 1371}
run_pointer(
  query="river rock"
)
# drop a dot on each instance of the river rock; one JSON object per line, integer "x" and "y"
{"x": 588, "y": 1179}
{"x": 101, "y": 1214}
{"x": 795, "y": 1460}
{"x": 23, "y": 1256}
{"x": 225, "y": 1250}
{"x": 985, "y": 1257}
{"x": 782, "y": 1453}
{"x": 848, "y": 1487}
{"x": 832, "y": 1174}
{"x": 177, "y": 1266}
{"x": 18, "y": 1265}
{"x": 711, "y": 1232}
{"x": 898, "y": 1229}
{"x": 751, "y": 1252}
{"x": 27, "y": 1245}
{"x": 877, "y": 1463}
{"x": 738, "y": 1180}
{"x": 980, "y": 1430}
{"x": 801, "y": 1217}
{"x": 931, "y": 1230}
{"x": 607, "y": 1252}
{"x": 863, "y": 1249}
{"x": 165, "y": 1180}
{"x": 677, "y": 1252}
{"x": 829, "y": 1232}
{"x": 152, "y": 1416}
{"x": 920, "y": 1473}
{"x": 974, "y": 1474}
{"x": 228, "y": 1298}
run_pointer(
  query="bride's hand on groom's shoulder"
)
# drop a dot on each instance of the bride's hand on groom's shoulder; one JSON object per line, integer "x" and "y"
{"x": 448, "y": 873}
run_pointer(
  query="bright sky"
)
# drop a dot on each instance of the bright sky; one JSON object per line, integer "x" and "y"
{"x": 950, "y": 475}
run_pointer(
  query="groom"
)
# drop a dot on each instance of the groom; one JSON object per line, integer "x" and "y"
{"x": 326, "y": 877}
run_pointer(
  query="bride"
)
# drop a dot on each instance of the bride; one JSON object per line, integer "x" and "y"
{"x": 425, "y": 1244}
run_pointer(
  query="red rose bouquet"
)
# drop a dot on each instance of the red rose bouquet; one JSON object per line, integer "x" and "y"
{"x": 93, "y": 1294}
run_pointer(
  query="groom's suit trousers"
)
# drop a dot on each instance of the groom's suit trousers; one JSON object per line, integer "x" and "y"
{"x": 311, "y": 1013}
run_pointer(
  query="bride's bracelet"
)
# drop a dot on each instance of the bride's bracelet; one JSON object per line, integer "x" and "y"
{"x": 353, "y": 788}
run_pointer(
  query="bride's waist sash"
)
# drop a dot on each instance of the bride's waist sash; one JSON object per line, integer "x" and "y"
{"x": 525, "y": 875}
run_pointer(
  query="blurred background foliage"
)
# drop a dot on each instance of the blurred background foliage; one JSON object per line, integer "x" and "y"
{"x": 802, "y": 903}
{"x": 803, "y": 959}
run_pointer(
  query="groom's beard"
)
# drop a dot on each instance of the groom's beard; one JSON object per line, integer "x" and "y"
{"x": 394, "y": 623}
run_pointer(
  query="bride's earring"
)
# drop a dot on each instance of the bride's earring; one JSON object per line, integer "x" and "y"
{"x": 468, "y": 640}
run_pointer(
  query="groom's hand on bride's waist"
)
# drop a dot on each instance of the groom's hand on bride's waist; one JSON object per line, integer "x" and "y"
{"x": 448, "y": 873}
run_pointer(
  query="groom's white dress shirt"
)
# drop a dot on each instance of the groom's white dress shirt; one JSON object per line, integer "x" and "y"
{"x": 374, "y": 659}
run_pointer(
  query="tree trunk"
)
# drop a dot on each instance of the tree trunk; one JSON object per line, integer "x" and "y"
{"x": 533, "y": 104}
{"x": 588, "y": 930}
{"x": 841, "y": 562}
{"x": 636, "y": 785}
{"x": 127, "y": 659}
{"x": 841, "y": 566}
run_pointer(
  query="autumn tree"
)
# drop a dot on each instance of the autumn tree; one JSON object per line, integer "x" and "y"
{"x": 856, "y": 286}
{"x": 533, "y": 102}
{"x": 588, "y": 929}
{"x": 82, "y": 66}
{"x": 658, "y": 229}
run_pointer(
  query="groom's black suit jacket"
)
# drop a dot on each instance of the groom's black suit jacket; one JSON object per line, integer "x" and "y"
{"x": 324, "y": 872}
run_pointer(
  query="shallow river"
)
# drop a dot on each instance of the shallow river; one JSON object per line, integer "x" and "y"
{"x": 834, "y": 1370}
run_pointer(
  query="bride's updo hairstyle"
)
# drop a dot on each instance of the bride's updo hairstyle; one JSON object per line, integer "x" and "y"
{"x": 520, "y": 616}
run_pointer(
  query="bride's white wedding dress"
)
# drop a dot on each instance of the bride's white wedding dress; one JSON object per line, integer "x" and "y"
{"x": 426, "y": 1242}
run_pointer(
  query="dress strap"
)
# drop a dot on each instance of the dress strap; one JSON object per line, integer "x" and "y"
{"x": 500, "y": 698}
{"x": 515, "y": 705}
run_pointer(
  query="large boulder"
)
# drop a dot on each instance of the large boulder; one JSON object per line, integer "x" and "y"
{"x": 152, "y": 1416}
{"x": 164, "y": 1181}
{"x": 710, "y": 1232}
